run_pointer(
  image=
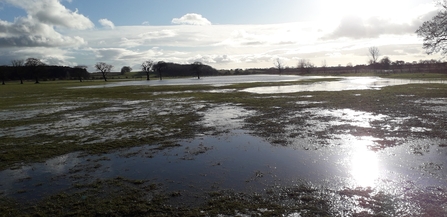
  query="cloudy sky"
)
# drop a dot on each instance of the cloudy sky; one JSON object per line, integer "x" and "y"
{"x": 221, "y": 33}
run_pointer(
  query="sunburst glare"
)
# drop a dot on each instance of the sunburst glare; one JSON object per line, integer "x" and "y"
{"x": 364, "y": 165}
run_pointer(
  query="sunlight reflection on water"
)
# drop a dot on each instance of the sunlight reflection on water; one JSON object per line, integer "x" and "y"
{"x": 364, "y": 165}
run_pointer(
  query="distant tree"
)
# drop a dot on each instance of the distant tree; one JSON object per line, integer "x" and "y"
{"x": 18, "y": 65}
{"x": 80, "y": 71}
{"x": 125, "y": 69}
{"x": 197, "y": 67}
{"x": 104, "y": 68}
{"x": 385, "y": 63}
{"x": 35, "y": 65}
{"x": 3, "y": 73}
{"x": 146, "y": 66}
{"x": 159, "y": 67}
{"x": 434, "y": 31}
{"x": 279, "y": 65}
{"x": 305, "y": 66}
{"x": 398, "y": 64}
{"x": 374, "y": 54}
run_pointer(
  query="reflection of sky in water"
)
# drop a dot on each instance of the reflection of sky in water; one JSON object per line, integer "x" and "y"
{"x": 346, "y": 83}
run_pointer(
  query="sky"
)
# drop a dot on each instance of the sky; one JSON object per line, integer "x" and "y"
{"x": 225, "y": 34}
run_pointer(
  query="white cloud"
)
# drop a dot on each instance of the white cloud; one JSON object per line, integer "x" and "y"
{"x": 192, "y": 19}
{"x": 48, "y": 55}
{"x": 37, "y": 29}
{"x": 53, "y": 13}
{"x": 26, "y": 32}
{"x": 106, "y": 23}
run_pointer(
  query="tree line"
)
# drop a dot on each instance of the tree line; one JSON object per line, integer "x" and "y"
{"x": 375, "y": 64}
{"x": 35, "y": 70}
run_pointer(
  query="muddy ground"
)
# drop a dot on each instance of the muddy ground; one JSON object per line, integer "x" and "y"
{"x": 204, "y": 150}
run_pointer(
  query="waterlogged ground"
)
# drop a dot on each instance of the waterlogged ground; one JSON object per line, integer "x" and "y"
{"x": 359, "y": 147}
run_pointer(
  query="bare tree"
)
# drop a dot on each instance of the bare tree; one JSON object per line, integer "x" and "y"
{"x": 434, "y": 31}
{"x": 146, "y": 66}
{"x": 34, "y": 64}
{"x": 18, "y": 64}
{"x": 374, "y": 54}
{"x": 305, "y": 66}
{"x": 159, "y": 66}
{"x": 197, "y": 67}
{"x": 104, "y": 68}
{"x": 279, "y": 64}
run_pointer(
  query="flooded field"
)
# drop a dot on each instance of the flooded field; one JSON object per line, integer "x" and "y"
{"x": 295, "y": 146}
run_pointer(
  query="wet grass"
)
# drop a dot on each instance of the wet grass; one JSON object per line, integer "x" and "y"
{"x": 124, "y": 197}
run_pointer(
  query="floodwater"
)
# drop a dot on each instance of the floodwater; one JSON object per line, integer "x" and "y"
{"x": 214, "y": 80}
{"x": 234, "y": 158}
{"x": 344, "y": 83}
{"x": 347, "y": 83}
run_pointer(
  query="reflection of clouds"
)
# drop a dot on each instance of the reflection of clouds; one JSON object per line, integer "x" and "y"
{"x": 9, "y": 177}
{"x": 364, "y": 164}
{"x": 60, "y": 164}
{"x": 40, "y": 172}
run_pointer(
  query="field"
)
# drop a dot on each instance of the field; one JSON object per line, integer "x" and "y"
{"x": 205, "y": 150}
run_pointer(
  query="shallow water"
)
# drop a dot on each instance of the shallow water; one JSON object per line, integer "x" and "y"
{"x": 214, "y": 80}
{"x": 346, "y": 83}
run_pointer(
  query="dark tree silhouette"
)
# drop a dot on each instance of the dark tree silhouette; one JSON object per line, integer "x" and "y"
{"x": 79, "y": 71}
{"x": 279, "y": 64}
{"x": 125, "y": 69}
{"x": 385, "y": 62}
{"x": 18, "y": 67}
{"x": 159, "y": 67}
{"x": 197, "y": 67}
{"x": 104, "y": 68}
{"x": 434, "y": 31}
{"x": 3, "y": 73}
{"x": 146, "y": 66}
{"x": 35, "y": 66}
